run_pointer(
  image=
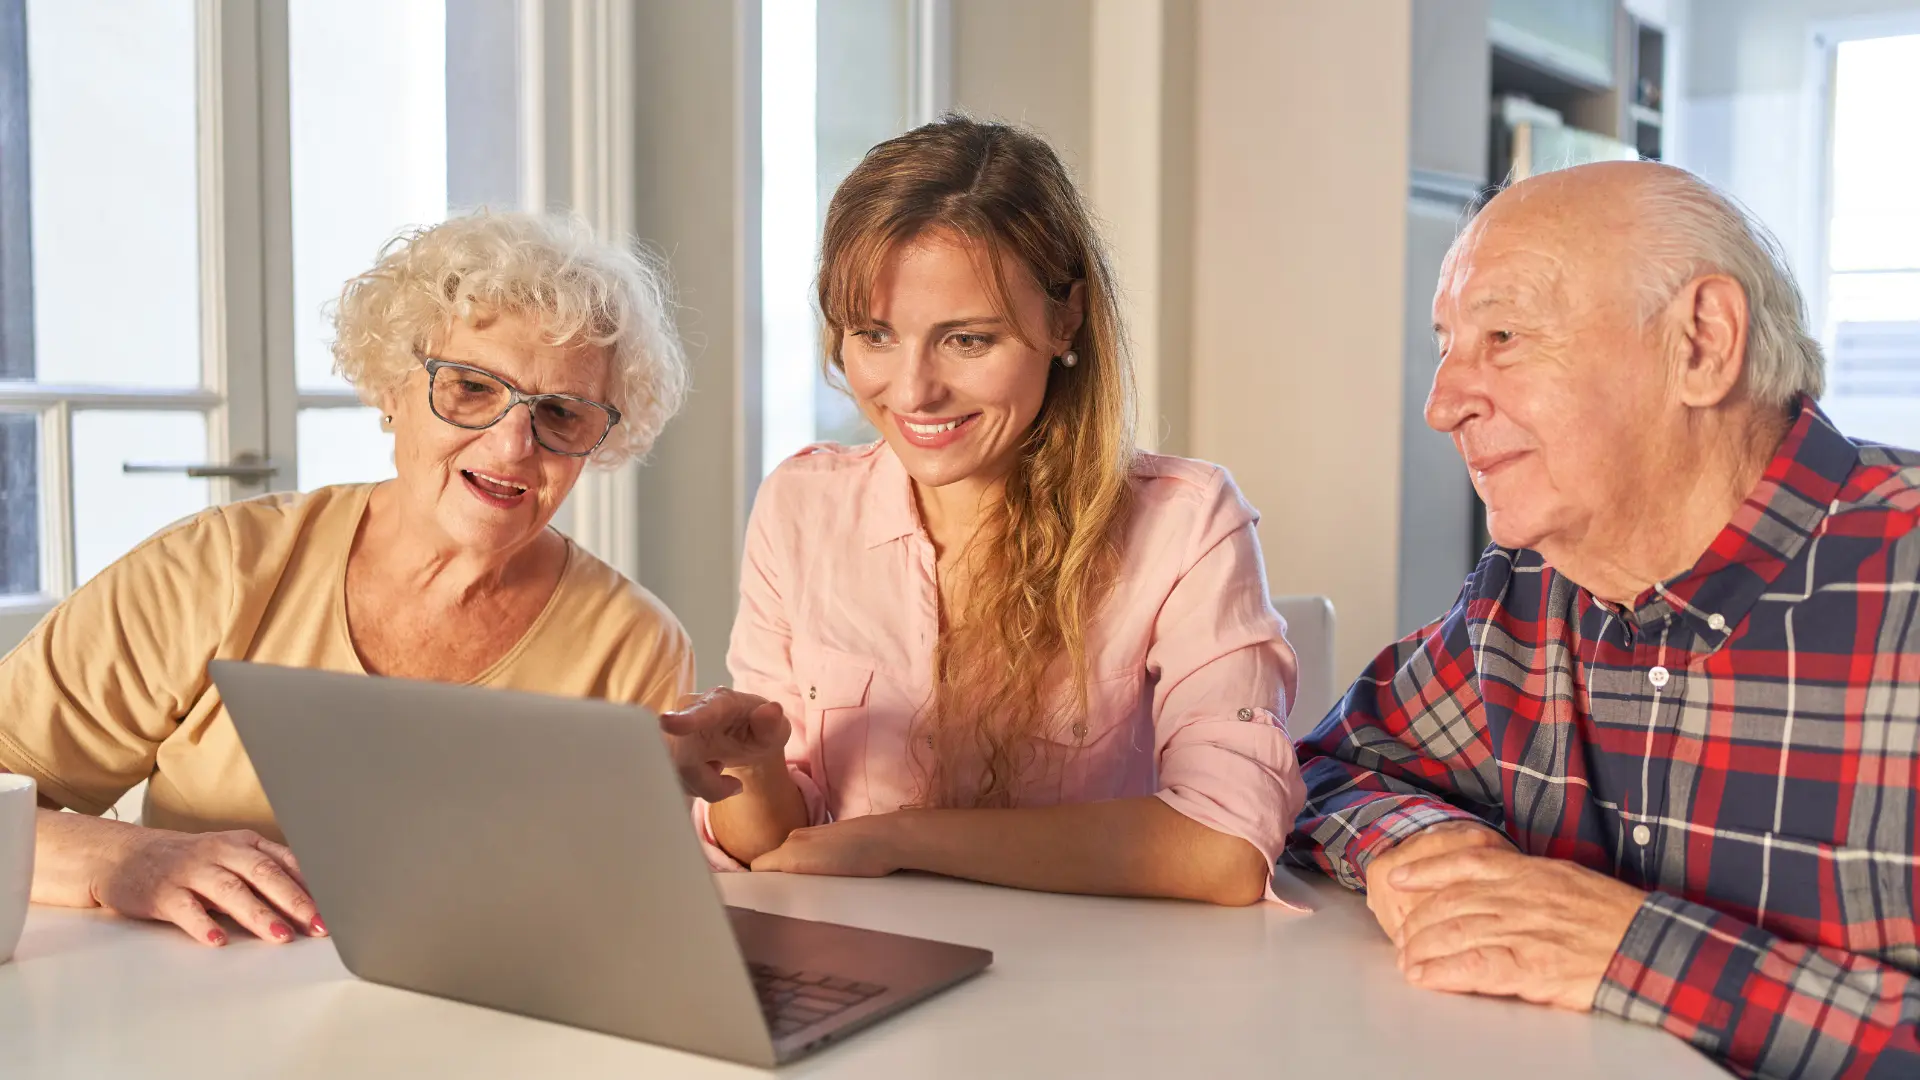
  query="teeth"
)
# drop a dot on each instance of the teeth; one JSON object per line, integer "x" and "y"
{"x": 521, "y": 488}
{"x": 934, "y": 429}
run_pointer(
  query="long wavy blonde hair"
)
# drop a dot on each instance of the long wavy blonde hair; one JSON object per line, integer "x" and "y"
{"x": 1011, "y": 669}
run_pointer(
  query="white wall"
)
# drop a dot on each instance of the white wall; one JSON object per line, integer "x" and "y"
{"x": 1030, "y": 63}
{"x": 696, "y": 152}
{"x": 1264, "y": 264}
{"x": 1299, "y": 249}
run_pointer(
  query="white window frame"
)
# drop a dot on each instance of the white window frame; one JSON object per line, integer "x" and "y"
{"x": 594, "y": 109}
{"x": 1824, "y": 39}
{"x": 246, "y": 254}
{"x": 235, "y": 103}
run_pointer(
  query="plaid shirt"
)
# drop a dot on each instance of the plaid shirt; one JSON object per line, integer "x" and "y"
{"x": 1744, "y": 742}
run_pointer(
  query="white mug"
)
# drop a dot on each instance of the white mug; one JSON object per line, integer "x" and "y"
{"x": 17, "y": 804}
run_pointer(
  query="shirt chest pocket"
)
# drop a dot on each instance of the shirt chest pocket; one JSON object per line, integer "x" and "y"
{"x": 834, "y": 697}
{"x": 1109, "y": 754}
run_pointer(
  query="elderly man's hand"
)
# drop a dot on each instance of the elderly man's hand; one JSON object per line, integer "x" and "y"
{"x": 1390, "y": 904}
{"x": 723, "y": 729}
{"x": 1505, "y": 924}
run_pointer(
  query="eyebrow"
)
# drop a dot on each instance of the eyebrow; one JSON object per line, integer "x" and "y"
{"x": 981, "y": 321}
{"x": 1502, "y": 299}
{"x": 485, "y": 370}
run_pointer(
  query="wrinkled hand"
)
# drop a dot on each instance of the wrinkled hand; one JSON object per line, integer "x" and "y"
{"x": 1510, "y": 925}
{"x": 858, "y": 847}
{"x": 180, "y": 877}
{"x": 1390, "y": 904}
{"x": 723, "y": 729}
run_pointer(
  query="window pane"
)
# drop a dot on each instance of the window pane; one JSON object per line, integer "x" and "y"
{"x": 789, "y": 209}
{"x": 399, "y": 110}
{"x": 1876, "y": 171}
{"x": 19, "y": 504}
{"x": 343, "y": 446}
{"x": 114, "y": 510}
{"x": 833, "y": 82}
{"x": 368, "y": 98}
{"x": 864, "y": 49}
{"x": 1873, "y": 295}
{"x": 114, "y": 180}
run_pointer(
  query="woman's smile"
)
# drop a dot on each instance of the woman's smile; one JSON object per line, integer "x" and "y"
{"x": 935, "y": 434}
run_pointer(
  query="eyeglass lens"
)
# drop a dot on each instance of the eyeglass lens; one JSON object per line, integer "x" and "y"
{"x": 473, "y": 399}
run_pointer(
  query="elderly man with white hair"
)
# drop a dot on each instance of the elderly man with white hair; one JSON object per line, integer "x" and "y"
{"x": 1661, "y": 758}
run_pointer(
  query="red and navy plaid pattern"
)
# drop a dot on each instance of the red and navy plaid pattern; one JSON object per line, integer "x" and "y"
{"x": 1744, "y": 742}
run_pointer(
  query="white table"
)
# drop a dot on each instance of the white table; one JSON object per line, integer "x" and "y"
{"x": 1079, "y": 987}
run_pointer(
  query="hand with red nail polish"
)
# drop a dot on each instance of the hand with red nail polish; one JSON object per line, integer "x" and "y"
{"x": 181, "y": 878}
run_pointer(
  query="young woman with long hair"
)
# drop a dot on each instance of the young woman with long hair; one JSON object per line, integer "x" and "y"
{"x": 1011, "y": 646}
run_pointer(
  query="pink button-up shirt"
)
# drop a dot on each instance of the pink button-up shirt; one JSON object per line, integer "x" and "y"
{"x": 1191, "y": 674}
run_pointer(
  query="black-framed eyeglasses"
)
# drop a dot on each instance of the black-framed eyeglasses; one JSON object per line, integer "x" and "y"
{"x": 475, "y": 398}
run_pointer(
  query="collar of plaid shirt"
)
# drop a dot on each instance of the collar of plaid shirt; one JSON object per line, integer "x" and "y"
{"x": 1766, "y": 535}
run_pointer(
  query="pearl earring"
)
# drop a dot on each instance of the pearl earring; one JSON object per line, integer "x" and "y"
{"x": 1069, "y": 358}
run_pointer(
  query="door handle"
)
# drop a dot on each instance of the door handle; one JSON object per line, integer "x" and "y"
{"x": 242, "y": 467}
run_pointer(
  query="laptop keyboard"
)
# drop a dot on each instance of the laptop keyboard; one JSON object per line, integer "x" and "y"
{"x": 791, "y": 1000}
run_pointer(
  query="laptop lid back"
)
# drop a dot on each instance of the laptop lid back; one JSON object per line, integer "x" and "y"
{"x": 523, "y": 852}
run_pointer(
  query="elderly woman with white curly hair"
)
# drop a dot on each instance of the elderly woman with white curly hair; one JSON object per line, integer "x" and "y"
{"x": 506, "y": 352}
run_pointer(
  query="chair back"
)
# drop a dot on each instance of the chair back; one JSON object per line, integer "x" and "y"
{"x": 1310, "y": 627}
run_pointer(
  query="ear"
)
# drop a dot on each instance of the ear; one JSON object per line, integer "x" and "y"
{"x": 1713, "y": 320}
{"x": 388, "y": 404}
{"x": 1072, "y": 315}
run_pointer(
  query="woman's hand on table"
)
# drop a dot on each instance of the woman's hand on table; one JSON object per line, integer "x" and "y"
{"x": 181, "y": 877}
{"x": 857, "y": 847}
{"x": 719, "y": 730}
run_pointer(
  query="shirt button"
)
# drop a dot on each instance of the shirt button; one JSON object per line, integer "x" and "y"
{"x": 1246, "y": 714}
{"x": 810, "y": 694}
{"x": 1717, "y": 621}
{"x": 1642, "y": 835}
{"x": 1658, "y": 677}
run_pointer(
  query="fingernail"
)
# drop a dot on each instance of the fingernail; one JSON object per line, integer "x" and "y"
{"x": 1413, "y": 973}
{"x": 319, "y": 928}
{"x": 217, "y": 936}
{"x": 281, "y": 931}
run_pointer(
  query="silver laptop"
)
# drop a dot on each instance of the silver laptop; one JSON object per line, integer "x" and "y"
{"x": 534, "y": 854}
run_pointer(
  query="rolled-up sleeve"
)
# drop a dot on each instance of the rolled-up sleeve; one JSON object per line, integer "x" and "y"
{"x": 760, "y": 656}
{"x": 1225, "y": 679}
{"x": 1407, "y": 748}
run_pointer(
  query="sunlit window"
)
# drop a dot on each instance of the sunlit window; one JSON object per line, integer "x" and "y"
{"x": 400, "y": 114}
{"x": 1872, "y": 326}
{"x": 834, "y": 80}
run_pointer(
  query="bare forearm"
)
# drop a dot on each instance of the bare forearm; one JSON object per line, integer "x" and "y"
{"x": 69, "y": 852}
{"x": 1120, "y": 847}
{"x": 758, "y": 819}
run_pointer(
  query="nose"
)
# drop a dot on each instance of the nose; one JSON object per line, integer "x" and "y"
{"x": 918, "y": 386}
{"x": 512, "y": 435}
{"x": 1457, "y": 395}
